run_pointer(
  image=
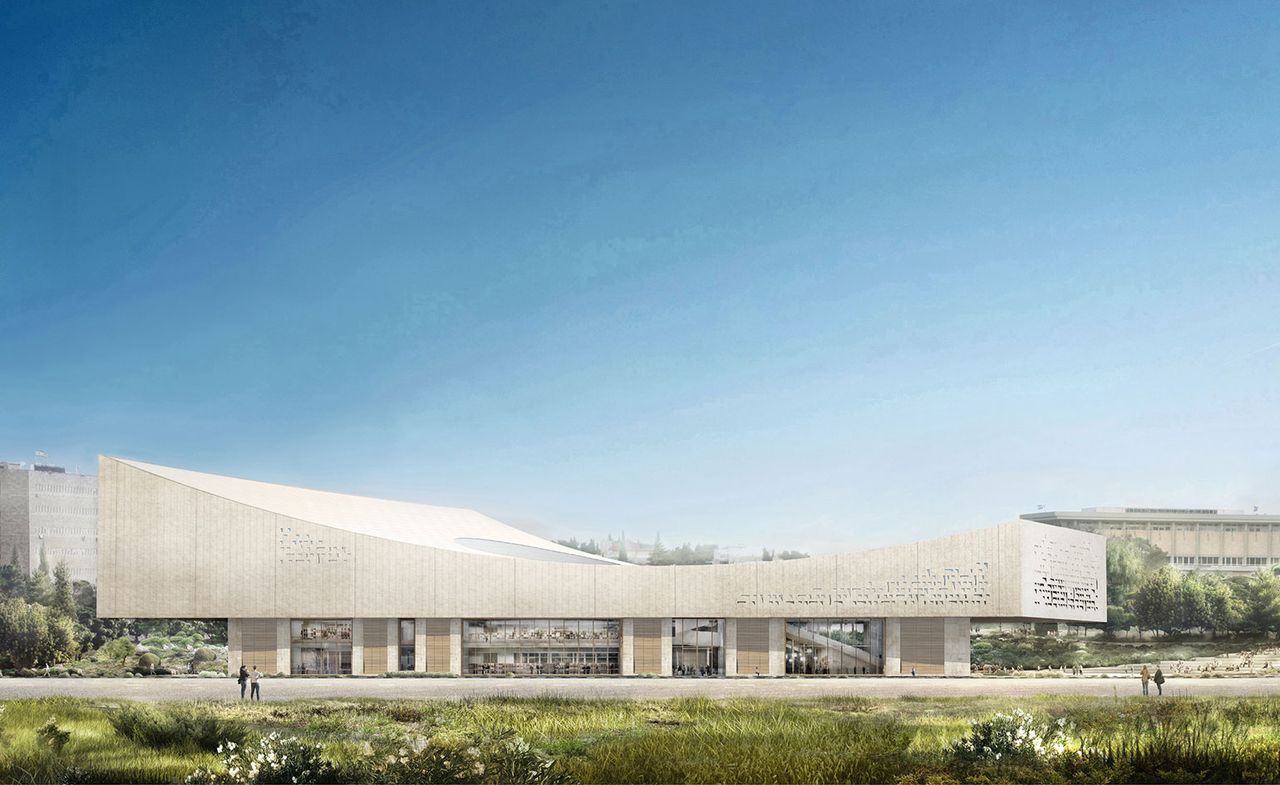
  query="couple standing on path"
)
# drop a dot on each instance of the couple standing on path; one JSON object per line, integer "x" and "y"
{"x": 251, "y": 677}
{"x": 1146, "y": 676}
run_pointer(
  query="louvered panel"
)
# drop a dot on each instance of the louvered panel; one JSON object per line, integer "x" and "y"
{"x": 258, "y": 644}
{"x": 375, "y": 646}
{"x": 437, "y": 646}
{"x": 923, "y": 646}
{"x": 753, "y": 647}
{"x": 647, "y": 644}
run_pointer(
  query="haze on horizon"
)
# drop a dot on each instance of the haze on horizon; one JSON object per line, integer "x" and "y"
{"x": 816, "y": 276}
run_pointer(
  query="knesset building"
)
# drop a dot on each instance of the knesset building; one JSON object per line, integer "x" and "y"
{"x": 313, "y": 582}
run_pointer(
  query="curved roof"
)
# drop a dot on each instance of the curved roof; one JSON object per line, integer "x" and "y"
{"x": 449, "y": 528}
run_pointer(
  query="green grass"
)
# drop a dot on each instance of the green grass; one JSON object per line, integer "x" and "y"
{"x": 693, "y": 740}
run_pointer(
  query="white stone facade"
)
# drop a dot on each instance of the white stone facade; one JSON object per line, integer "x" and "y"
{"x": 181, "y": 544}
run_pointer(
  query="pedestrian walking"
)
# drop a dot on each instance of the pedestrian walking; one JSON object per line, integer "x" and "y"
{"x": 1145, "y": 675}
{"x": 243, "y": 680}
{"x": 1159, "y": 680}
{"x": 255, "y": 691}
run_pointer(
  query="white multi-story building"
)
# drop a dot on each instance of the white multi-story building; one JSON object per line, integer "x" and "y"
{"x": 1228, "y": 541}
{"x": 48, "y": 508}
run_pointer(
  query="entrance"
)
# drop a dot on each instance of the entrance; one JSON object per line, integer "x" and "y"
{"x": 697, "y": 647}
{"x": 320, "y": 646}
{"x": 316, "y": 660}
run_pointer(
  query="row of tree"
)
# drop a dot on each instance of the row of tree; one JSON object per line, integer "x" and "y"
{"x": 1145, "y": 592}
{"x": 38, "y": 621}
{"x": 661, "y": 555}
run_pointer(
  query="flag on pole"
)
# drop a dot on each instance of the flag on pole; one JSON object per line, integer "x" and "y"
{"x": 41, "y": 454}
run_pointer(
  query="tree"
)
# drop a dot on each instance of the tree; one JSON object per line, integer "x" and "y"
{"x": 12, "y": 582}
{"x": 1157, "y": 602}
{"x": 31, "y": 635}
{"x": 1129, "y": 561}
{"x": 788, "y": 555}
{"x": 585, "y": 547}
{"x": 766, "y": 555}
{"x": 1225, "y": 610}
{"x": 1193, "y": 602}
{"x": 660, "y": 554}
{"x": 39, "y": 587}
{"x": 64, "y": 600}
{"x": 118, "y": 649}
{"x": 1262, "y": 602}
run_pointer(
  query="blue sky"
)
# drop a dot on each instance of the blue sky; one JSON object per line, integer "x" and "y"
{"x": 814, "y": 275}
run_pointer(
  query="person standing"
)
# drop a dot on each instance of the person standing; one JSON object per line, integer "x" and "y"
{"x": 1159, "y": 680}
{"x": 1145, "y": 675}
{"x": 255, "y": 692}
{"x": 243, "y": 680}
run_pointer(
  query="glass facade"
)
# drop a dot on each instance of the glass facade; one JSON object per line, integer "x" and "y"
{"x": 536, "y": 647}
{"x": 832, "y": 647}
{"x": 407, "y": 630}
{"x": 320, "y": 646}
{"x": 697, "y": 647}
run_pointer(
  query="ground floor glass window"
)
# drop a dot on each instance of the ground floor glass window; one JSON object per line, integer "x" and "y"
{"x": 320, "y": 646}
{"x": 697, "y": 647}
{"x": 830, "y": 647}
{"x": 407, "y": 631}
{"x": 541, "y": 647}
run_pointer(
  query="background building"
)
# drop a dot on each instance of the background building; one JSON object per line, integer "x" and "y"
{"x": 48, "y": 507}
{"x": 318, "y": 582}
{"x": 1195, "y": 539}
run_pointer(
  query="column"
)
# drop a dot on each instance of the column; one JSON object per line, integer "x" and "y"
{"x": 666, "y": 648}
{"x": 234, "y": 647}
{"x": 955, "y": 646}
{"x": 420, "y": 645}
{"x": 892, "y": 647}
{"x": 357, "y": 646}
{"x": 284, "y": 644}
{"x": 455, "y": 647}
{"x": 627, "y": 648}
{"x": 777, "y": 647}
{"x": 731, "y": 647}
{"x": 393, "y": 644}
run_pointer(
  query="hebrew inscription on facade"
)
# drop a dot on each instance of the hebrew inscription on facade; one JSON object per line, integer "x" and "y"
{"x": 1063, "y": 573}
{"x": 295, "y": 546}
{"x": 944, "y": 587}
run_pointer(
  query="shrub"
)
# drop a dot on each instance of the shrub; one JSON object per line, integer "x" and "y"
{"x": 175, "y": 725}
{"x": 31, "y": 634}
{"x": 271, "y": 759}
{"x": 148, "y": 660}
{"x": 504, "y": 758}
{"x": 204, "y": 655}
{"x": 1011, "y": 737}
{"x": 118, "y": 649}
{"x": 53, "y": 736}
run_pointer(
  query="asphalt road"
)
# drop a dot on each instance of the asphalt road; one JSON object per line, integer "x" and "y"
{"x": 162, "y": 689}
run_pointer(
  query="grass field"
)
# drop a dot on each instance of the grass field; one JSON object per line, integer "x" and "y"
{"x": 685, "y": 740}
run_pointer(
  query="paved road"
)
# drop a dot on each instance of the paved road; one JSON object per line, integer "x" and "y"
{"x": 646, "y": 689}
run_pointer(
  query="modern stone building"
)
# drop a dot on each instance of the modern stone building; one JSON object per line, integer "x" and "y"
{"x": 314, "y": 582}
{"x": 49, "y": 508}
{"x": 1225, "y": 541}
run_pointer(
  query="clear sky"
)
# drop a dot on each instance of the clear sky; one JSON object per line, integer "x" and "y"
{"x": 785, "y": 274}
